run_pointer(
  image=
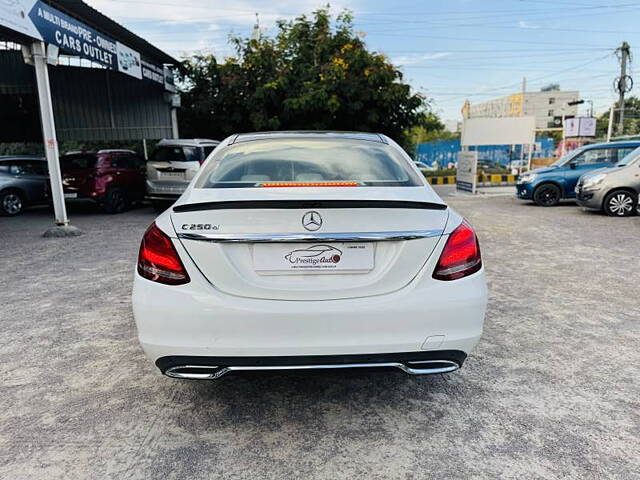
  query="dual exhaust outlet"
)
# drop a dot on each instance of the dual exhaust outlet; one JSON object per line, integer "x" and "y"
{"x": 211, "y": 372}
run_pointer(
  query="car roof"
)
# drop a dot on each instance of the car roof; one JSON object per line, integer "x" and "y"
{"x": 21, "y": 157}
{"x": 627, "y": 143}
{"x": 187, "y": 142}
{"x": 248, "y": 137}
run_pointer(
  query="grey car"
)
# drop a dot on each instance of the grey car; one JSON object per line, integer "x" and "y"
{"x": 23, "y": 181}
{"x": 613, "y": 190}
{"x": 172, "y": 165}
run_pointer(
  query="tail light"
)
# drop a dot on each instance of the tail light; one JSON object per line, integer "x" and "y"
{"x": 461, "y": 255}
{"x": 158, "y": 260}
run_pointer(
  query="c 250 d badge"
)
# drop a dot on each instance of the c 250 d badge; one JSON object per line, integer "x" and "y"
{"x": 199, "y": 226}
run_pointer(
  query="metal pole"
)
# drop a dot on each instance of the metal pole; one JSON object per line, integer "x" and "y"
{"x": 49, "y": 132}
{"x": 622, "y": 84}
{"x": 174, "y": 123}
{"x": 144, "y": 147}
{"x": 564, "y": 138}
{"x": 610, "y": 127}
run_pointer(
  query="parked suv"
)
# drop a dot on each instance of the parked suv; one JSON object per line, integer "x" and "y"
{"x": 113, "y": 178}
{"x": 23, "y": 181}
{"x": 548, "y": 185}
{"x": 614, "y": 190}
{"x": 171, "y": 167}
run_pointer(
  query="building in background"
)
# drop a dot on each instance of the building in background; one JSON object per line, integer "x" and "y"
{"x": 547, "y": 106}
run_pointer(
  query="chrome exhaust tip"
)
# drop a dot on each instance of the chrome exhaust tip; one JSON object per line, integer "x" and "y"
{"x": 212, "y": 372}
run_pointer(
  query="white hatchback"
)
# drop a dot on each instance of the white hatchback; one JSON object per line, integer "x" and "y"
{"x": 308, "y": 250}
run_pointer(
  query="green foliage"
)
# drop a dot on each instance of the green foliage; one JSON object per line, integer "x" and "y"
{"x": 631, "y": 121}
{"x": 315, "y": 74}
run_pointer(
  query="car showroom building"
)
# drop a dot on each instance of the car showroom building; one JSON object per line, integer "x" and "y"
{"x": 68, "y": 72}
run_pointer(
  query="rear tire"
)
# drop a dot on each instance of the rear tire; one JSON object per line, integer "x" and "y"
{"x": 11, "y": 203}
{"x": 116, "y": 201}
{"x": 547, "y": 195}
{"x": 620, "y": 203}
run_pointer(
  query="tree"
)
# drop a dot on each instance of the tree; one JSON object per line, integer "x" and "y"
{"x": 631, "y": 120}
{"x": 312, "y": 75}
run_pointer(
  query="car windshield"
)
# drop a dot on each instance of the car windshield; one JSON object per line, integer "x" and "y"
{"x": 630, "y": 158}
{"x": 78, "y": 162}
{"x": 566, "y": 157}
{"x": 175, "y": 154}
{"x": 262, "y": 162}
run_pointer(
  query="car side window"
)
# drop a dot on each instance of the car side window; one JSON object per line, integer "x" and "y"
{"x": 23, "y": 168}
{"x": 623, "y": 152}
{"x": 596, "y": 155}
{"x": 120, "y": 161}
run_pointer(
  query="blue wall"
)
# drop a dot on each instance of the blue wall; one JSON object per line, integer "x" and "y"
{"x": 445, "y": 152}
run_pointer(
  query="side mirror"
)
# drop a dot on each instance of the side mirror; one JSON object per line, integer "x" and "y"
{"x": 573, "y": 165}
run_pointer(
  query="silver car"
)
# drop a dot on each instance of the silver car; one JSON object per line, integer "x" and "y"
{"x": 613, "y": 190}
{"x": 172, "y": 165}
{"x": 23, "y": 181}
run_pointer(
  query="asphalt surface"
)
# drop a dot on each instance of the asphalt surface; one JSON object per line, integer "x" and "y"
{"x": 552, "y": 390}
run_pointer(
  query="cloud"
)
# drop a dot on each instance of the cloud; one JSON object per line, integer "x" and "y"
{"x": 523, "y": 24}
{"x": 197, "y": 25}
{"x": 417, "y": 59}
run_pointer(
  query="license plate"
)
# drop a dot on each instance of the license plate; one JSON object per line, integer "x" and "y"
{"x": 170, "y": 175}
{"x": 294, "y": 258}
{"x": 70, "y": 195}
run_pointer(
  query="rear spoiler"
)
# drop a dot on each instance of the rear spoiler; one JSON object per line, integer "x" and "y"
{"x": 306, "y": 204}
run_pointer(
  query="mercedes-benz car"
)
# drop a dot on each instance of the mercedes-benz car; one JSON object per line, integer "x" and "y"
{"x": 612, "y": 190}
{"x": 384, "y": 273}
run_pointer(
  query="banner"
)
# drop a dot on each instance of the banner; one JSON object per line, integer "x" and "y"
{"x": 43, "y": 22}
{"x": 466, "y": 171}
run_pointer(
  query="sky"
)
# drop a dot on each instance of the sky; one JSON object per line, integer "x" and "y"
{"x": 449, "y": 50}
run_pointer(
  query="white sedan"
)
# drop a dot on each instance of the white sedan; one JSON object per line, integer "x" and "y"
{"x": 308, "y": 250}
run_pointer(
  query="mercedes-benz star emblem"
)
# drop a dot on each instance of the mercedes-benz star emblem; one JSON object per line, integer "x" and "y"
{"x": 312, "y": 221}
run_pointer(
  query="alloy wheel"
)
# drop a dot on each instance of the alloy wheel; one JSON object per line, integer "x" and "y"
{"x": 621, "y": 204}
{"x": 12, "y": 203}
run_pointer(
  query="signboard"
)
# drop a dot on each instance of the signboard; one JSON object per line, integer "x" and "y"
{"x": 14, "y": 15}
{"x": 466, "y": 171}
{"x": 580, "y": 127}
{"x": 498, "y": 131}
{"x": 43, "y": 22}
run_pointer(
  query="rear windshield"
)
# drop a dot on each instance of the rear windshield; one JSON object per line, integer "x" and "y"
{"x": 78, "y": 162}
{"x": 176, "y": 154}
{"x": 262, "y": 162}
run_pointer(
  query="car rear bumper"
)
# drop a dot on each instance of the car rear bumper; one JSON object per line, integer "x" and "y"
{"x": 163, "y": 190}
{"x": 211, "y": 368}
{"x": 197, "y": 320}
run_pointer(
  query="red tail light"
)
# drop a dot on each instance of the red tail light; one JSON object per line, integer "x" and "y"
{"x": 461, "y": 255}
{"x": 158, "y": 260}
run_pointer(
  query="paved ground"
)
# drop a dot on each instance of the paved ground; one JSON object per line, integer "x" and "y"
{"x": 552, "y": 390}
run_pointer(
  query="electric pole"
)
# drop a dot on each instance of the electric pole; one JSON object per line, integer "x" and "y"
{"x": 624, "y": 83}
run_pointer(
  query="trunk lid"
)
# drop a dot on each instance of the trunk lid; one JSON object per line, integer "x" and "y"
{"x": 352, "y": 246}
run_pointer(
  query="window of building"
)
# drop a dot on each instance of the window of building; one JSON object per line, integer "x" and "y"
{"x": 550, "y": 113}
{"x": 552, "y": 100}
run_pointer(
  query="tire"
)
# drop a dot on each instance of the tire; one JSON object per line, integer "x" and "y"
{"x": 116, "y": 201}
{"x": 547, "y": 195}
{"x": 11, "y": 203}
{"x": 620, "y": 203}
